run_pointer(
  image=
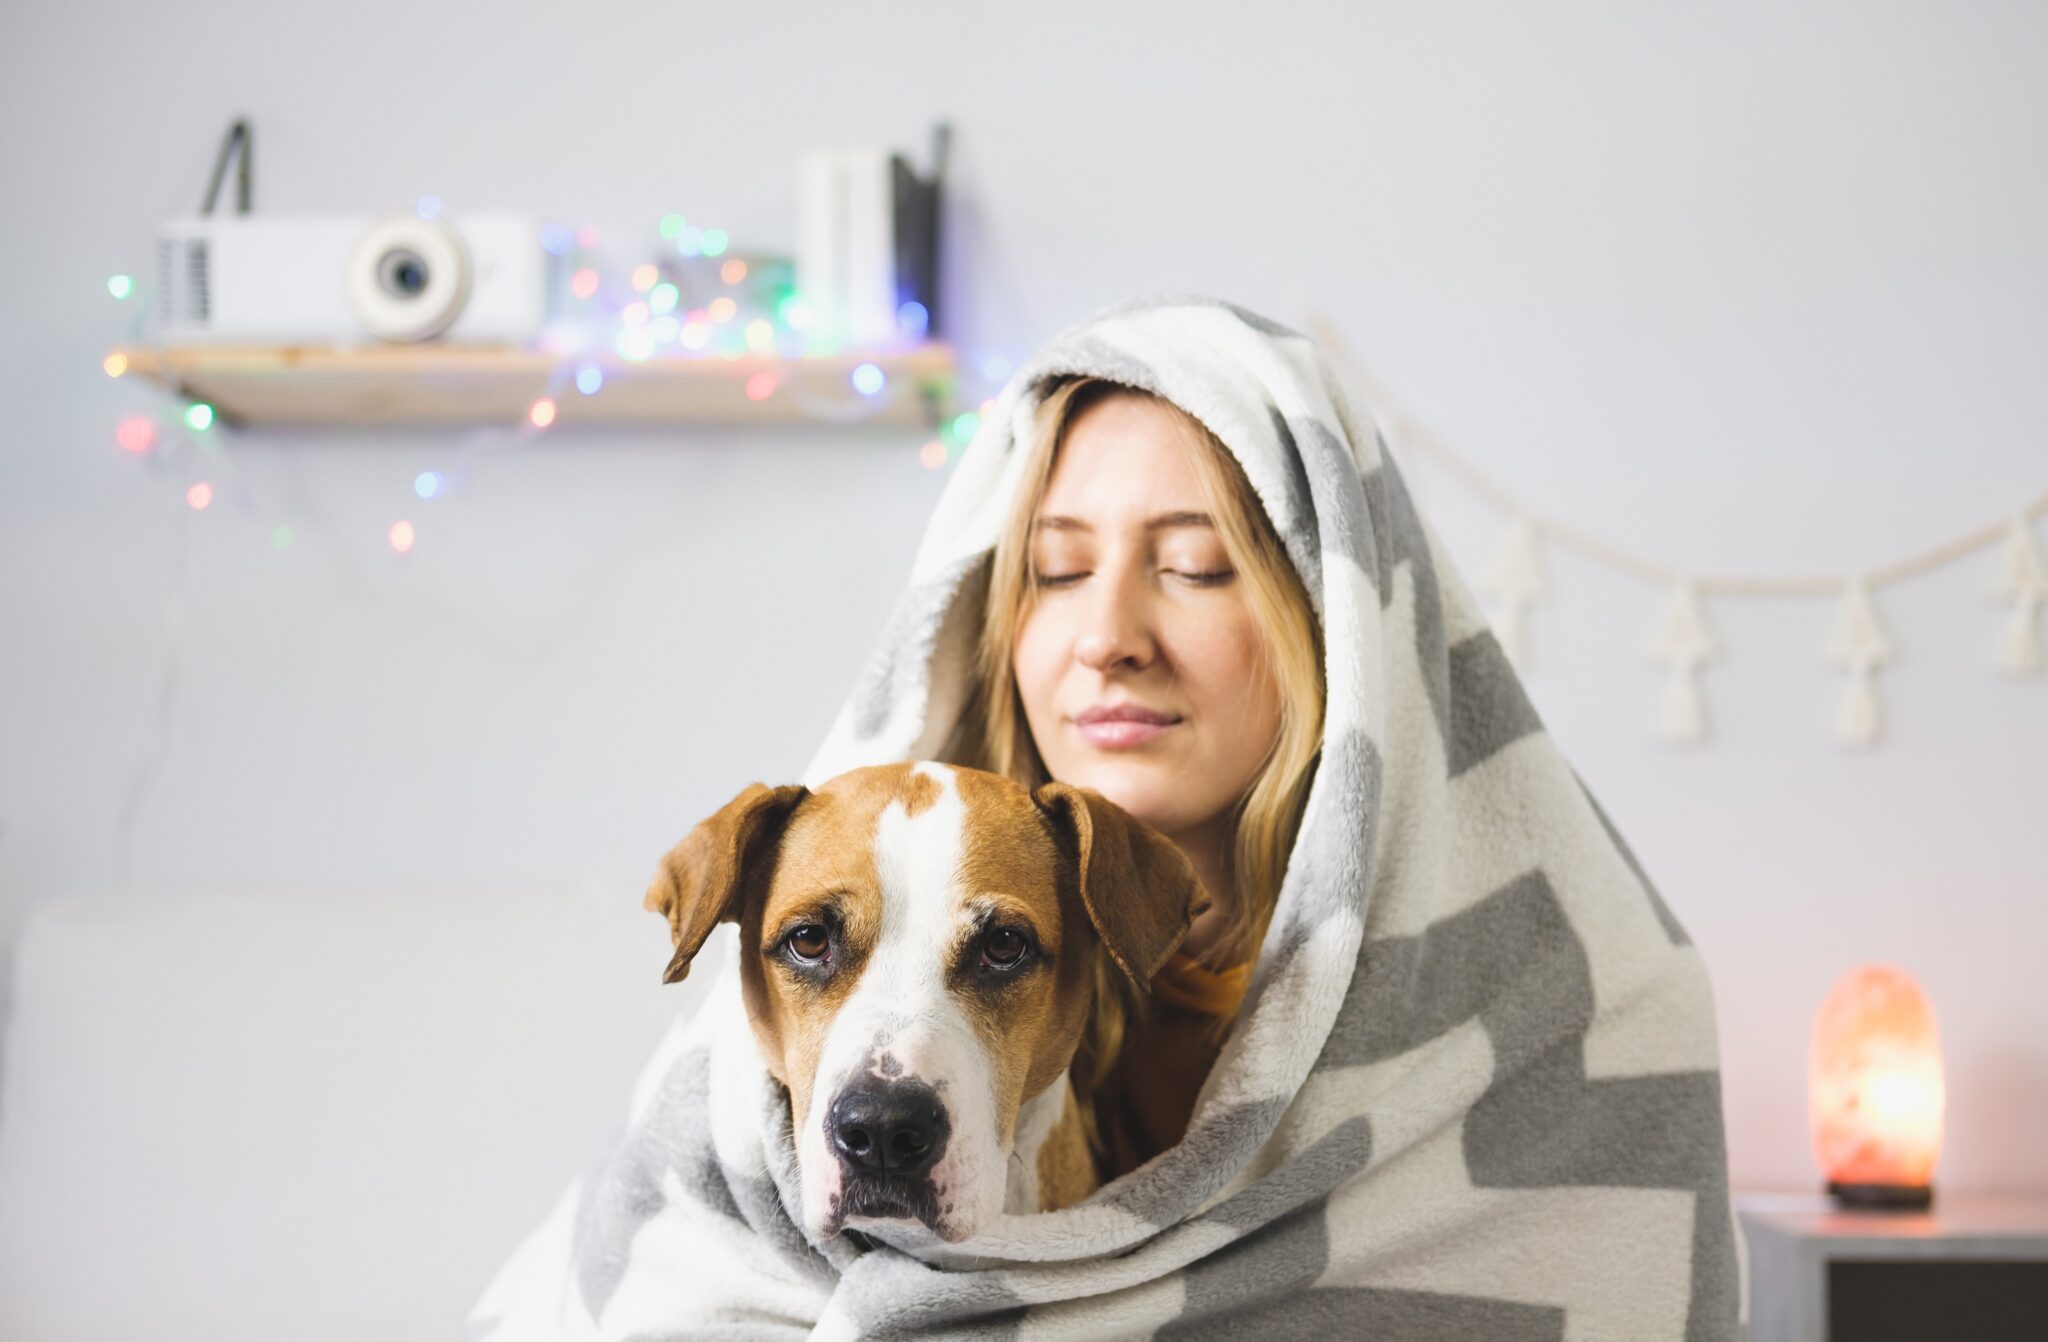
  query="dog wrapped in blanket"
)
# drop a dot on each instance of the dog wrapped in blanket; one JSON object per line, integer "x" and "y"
{"x": 919, "y": 946}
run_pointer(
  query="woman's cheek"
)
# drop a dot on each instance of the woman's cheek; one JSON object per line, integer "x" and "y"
{"x": 1218, "y": 656}
{"x": 1036, "y": 669}
{"x": 1225, "y": 681}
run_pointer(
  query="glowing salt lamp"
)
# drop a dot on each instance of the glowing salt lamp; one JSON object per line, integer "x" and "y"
{"x": 1876, "y": 1087}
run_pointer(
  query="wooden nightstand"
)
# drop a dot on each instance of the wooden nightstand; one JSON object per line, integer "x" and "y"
{"x": 1971, "y": 1267}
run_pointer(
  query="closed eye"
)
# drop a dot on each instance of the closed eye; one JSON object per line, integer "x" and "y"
{"x": 1212, "y": 578}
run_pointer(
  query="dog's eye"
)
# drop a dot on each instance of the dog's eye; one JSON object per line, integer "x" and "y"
{"x": 1004, "y": 948}
{"x": 809, "y": 944}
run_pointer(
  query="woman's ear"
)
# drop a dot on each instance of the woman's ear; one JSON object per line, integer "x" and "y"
{"x": 700, "y": 879}
{"x": 1139, "y": 888}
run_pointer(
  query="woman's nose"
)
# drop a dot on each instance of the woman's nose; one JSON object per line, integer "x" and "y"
{"x": 1114, "y": 630}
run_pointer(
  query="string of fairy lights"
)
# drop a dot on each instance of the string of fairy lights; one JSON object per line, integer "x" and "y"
{"x": 688, "y": 297}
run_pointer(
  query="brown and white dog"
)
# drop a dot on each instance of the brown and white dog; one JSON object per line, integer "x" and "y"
{"x": 918, "y": 946}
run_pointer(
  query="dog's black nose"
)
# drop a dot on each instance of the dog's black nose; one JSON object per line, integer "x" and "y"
{"x": 892, "y": 1127}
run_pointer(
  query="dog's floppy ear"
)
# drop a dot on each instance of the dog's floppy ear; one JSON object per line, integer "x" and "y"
{"x": 701, "y": 876}
{"x": 1139, "y": 888}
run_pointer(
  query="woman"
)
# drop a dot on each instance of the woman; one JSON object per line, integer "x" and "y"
{"x": 1437, "y": 1063}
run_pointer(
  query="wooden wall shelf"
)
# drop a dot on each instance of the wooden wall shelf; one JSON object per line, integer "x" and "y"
{"x": 444, "y": 384}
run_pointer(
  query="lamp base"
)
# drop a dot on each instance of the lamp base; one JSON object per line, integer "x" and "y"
{"x": 1883, "y": 1197}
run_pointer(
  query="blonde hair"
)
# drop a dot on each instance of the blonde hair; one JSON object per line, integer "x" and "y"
{"x": 995, "y": 735}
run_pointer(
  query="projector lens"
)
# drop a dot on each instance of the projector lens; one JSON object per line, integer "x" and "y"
{"x": 402, "y": 273}
{"x": 408, "y": 278}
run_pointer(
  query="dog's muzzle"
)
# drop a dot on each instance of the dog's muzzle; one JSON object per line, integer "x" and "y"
{"x": 887, "y": 1136}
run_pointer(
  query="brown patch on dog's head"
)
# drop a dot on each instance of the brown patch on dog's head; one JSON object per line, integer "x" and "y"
{"x": 916, "y": 791}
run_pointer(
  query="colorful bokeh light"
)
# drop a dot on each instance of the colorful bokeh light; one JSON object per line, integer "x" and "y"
{"x": 136, "y": 434}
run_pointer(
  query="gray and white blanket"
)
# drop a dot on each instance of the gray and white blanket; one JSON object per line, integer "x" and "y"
{"x": 1474, "y": 1088}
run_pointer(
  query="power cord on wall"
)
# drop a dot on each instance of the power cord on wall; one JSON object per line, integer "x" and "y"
{"x": 238, "y": 144}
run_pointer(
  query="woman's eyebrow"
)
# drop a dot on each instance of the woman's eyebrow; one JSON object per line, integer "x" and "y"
{"x": 1058, "y": 522}
{"x": 1168, "y": 520}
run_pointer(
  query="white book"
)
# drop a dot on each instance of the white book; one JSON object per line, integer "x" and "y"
{"x": 870, "y": 248}
{"x": 846, "y": 246}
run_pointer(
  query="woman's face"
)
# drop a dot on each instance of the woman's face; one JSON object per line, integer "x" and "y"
{"x": 1137, "y": 609}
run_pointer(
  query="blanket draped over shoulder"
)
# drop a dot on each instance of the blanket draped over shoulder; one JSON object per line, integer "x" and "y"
{"x": 1474, "y": 1089}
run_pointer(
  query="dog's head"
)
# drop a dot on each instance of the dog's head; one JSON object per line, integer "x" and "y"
{"x": 918, "y": 945}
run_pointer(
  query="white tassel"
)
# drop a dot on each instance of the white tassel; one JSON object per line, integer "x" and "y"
{"x": 2022, "y": 580}
{"x": 2019, "y": 648}
{"x": 1683, "y": 635}
{"x": 1859, "y": 646}
{"x": 1684, "y": 720}
{"x": 1858, "y": 720}
{"x": 1515, "y": 582}
{"x": 1858, "y": 638}
{"x": 2019, "y": 569}
{"x": 1683, "y": 641}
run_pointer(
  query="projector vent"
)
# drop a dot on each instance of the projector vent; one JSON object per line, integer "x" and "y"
{"x": 184, "y": 283}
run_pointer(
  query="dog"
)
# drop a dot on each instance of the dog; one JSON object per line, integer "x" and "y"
{"x": 918, "y": 947}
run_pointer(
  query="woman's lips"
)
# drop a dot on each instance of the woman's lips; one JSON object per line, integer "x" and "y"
{"x": 1118, "y": 726}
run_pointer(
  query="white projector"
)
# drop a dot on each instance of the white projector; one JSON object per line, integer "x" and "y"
{"x": 480, "y": 281}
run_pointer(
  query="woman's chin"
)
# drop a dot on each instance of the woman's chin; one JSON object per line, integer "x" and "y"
{"x": 1153, "y": 791}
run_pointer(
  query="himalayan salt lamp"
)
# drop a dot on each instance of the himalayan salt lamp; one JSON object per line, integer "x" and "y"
{"x": 1876, "y": 1089}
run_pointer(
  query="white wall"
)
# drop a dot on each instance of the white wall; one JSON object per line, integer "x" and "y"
{"x": 1745, "y": 288}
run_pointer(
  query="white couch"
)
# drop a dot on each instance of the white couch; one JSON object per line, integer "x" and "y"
{"x": 256, "y": 1118}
